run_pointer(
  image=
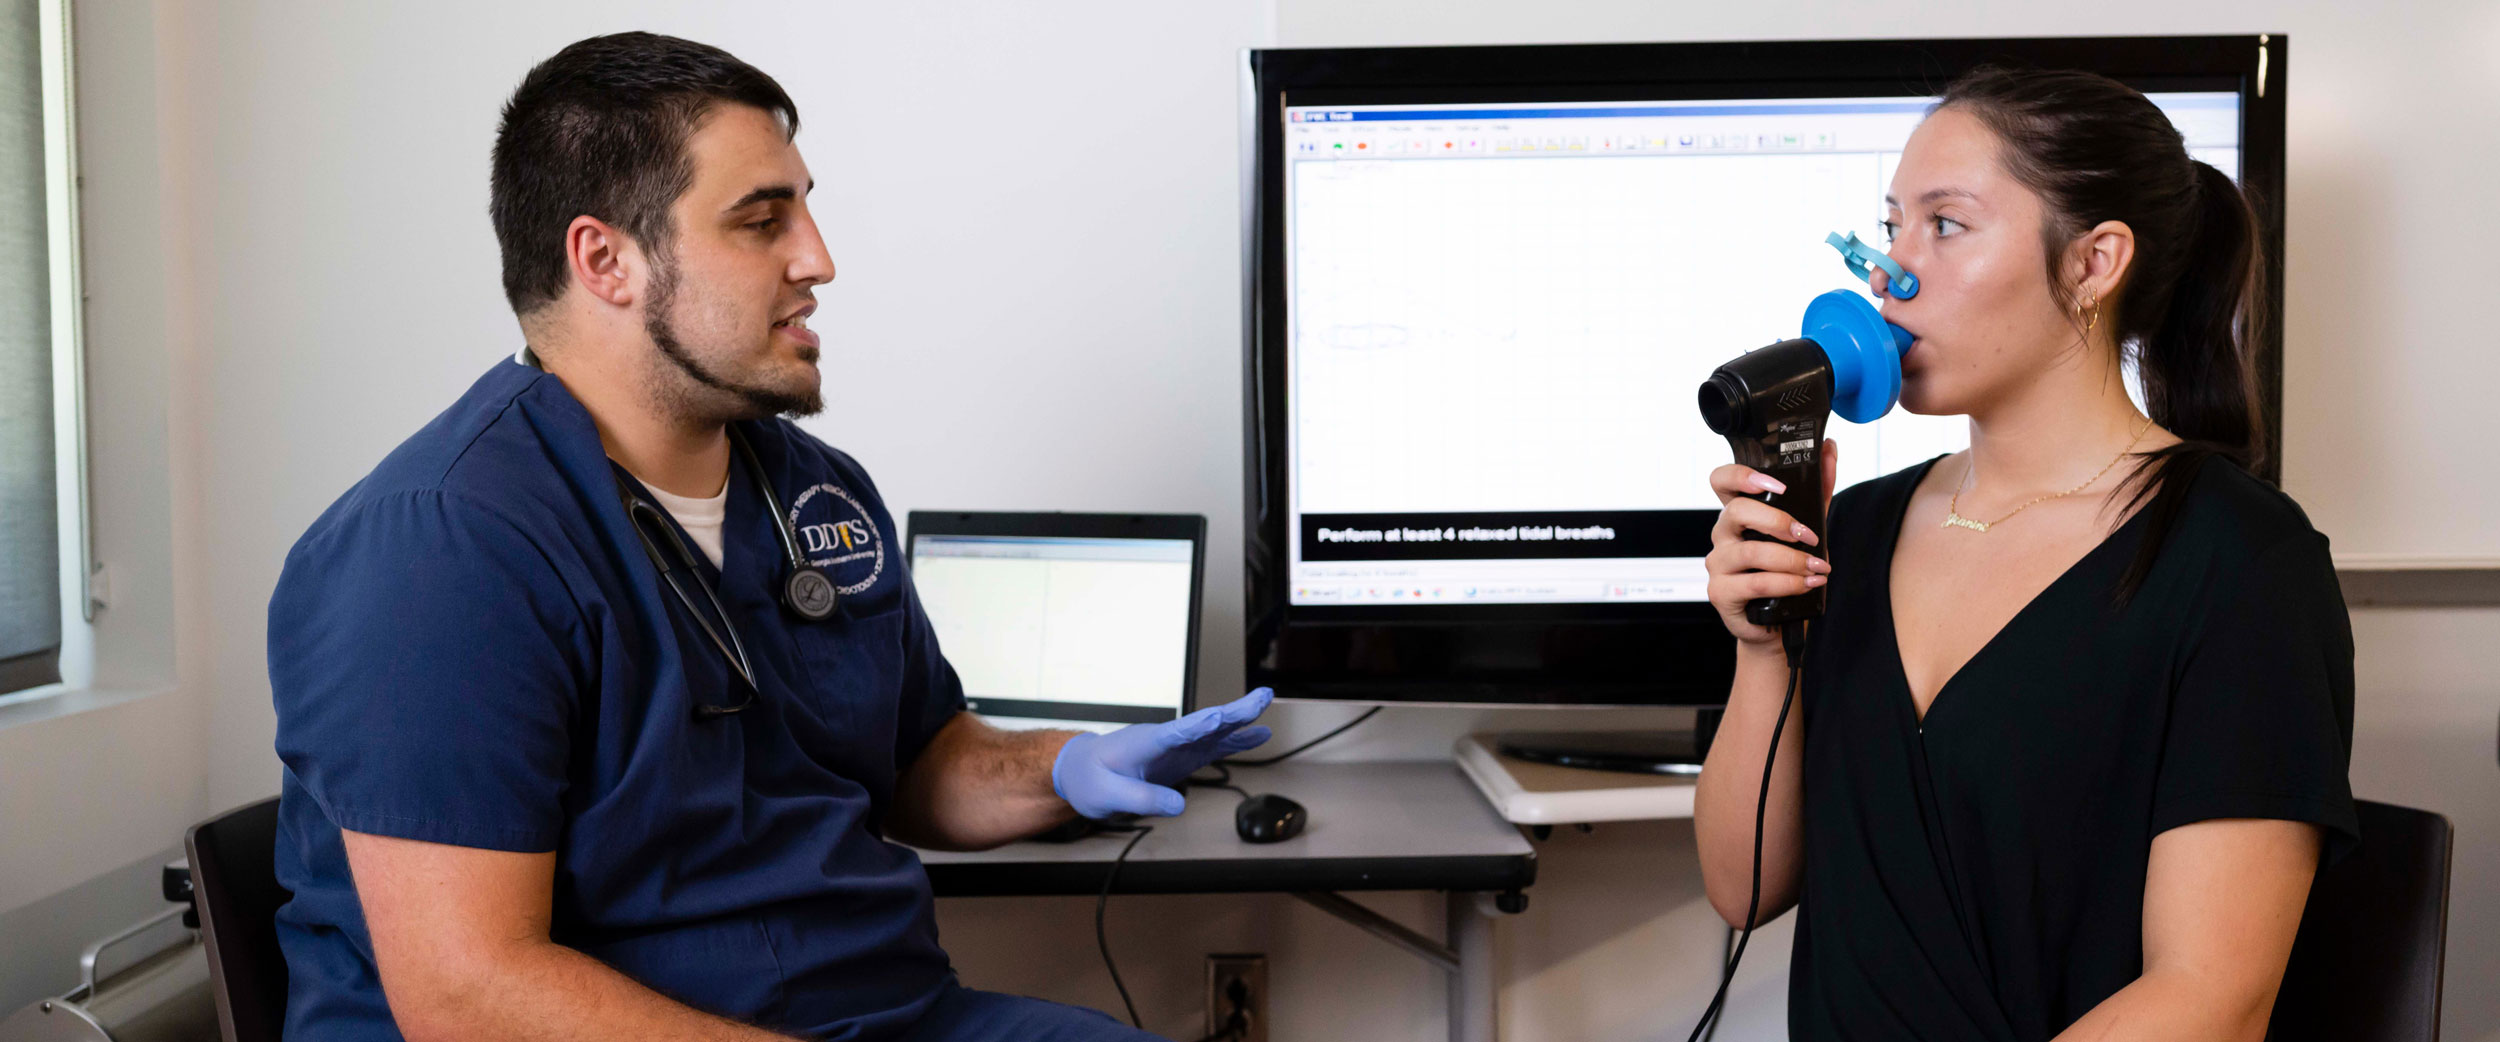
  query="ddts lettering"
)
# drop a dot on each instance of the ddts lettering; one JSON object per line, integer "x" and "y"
{"x": 838, "y": 535}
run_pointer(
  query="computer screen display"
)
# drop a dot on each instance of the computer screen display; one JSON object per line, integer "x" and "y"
{"x": 1048, "y": 631}
{"x": 1497, "y": 313}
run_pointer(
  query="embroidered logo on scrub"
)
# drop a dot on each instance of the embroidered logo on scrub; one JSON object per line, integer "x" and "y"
{"x": 839, "y": 538}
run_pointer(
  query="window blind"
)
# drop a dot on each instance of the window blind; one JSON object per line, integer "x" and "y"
{"x": 30, "y": 562}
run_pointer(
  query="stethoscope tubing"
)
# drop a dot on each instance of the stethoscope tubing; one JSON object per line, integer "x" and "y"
{"x": 643, "y": 515}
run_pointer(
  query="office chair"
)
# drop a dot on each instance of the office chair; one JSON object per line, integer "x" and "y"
{"x": 2366, "y": 964}
{"x": 234, "y": 884}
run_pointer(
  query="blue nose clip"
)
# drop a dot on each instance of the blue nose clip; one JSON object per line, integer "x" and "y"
{"x": 1858, "y": 255}
{"x": 1865, "y": 353}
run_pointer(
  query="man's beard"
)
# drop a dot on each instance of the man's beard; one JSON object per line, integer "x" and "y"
{"x": 752, "y": 403}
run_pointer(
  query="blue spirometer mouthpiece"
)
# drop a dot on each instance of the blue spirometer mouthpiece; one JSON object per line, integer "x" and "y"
{"x": 1865, "y": 352}
{"x": 1858, "y": 256}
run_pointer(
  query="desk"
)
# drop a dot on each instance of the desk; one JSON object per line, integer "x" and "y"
{"x": 1373, "y": 826}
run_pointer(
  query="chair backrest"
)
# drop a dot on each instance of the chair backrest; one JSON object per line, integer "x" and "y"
{"x": 234, "y": 882}
{"x": 2366, "y": 964}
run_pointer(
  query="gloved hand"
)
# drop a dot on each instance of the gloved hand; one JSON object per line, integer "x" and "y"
{"x": 1132, "y": 770}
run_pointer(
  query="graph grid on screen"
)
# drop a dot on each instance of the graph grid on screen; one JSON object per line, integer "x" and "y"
{"x": 1497, "y": 315}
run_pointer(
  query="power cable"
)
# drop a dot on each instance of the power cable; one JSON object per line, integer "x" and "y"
{"x": 1102, "y": 904}
{"x": 1299, "y": 749}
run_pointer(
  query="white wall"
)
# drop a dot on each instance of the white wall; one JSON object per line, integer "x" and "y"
{"x": 1033, "y": 208}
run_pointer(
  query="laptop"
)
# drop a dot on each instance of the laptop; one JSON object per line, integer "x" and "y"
{"x": 1079, "y": 621}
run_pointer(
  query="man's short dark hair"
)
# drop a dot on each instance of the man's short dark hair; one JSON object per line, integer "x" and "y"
{"x": 601, "y": 129}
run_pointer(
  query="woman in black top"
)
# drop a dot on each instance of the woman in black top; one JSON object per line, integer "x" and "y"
{"x": 2071, "y": 737}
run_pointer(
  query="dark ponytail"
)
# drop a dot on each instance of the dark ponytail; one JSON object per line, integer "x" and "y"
{"x": 2186, "y": 314}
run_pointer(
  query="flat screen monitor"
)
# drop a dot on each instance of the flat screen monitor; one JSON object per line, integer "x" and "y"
{"x": 1082, "y": 621}
{"x": 1485, "y": 284}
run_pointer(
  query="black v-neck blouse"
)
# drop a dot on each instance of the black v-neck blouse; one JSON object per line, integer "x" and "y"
{"x": 1981, "y": 876}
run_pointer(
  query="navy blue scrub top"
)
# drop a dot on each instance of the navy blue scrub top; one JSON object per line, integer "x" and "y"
{"x": 471, "y": 648}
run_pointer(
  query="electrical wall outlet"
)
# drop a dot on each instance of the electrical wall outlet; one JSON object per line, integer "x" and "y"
{"x": 1237, "y": 984}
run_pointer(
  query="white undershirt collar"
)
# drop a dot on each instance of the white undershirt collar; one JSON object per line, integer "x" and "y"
{"x": 701, "y": 518}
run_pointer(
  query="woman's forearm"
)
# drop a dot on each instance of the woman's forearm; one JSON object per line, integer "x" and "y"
{"x": 2164, "y": 1008}
{"x": 2222, "y": 904}
{"x": 1731, "y": 787}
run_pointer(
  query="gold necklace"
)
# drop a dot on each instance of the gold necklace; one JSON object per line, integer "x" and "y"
{"x": 1953, "y": 512}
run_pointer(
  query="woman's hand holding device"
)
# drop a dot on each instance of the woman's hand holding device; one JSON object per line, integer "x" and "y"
{"x": 1743, "y": 568}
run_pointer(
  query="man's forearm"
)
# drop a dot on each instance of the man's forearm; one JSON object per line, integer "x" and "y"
{"x": 975, "y": 786}
{"x": 545, "y": 992}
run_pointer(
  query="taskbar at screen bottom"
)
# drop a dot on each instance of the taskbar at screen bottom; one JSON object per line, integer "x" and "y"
{"x": 1017, "y": 714}
{"x": 1592, "y": 581}
{"x": 1628, "y": 656}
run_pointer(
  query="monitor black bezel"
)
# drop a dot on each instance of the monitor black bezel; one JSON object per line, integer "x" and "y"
{"x": 1192, "y": 527}
{"x": 1422, "y": 653}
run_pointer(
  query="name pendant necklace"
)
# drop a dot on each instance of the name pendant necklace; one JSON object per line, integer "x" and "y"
{"x": 1953, "y": 511}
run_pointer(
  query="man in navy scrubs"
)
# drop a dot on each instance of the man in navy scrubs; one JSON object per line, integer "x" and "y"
{"x": 537, "y": 788}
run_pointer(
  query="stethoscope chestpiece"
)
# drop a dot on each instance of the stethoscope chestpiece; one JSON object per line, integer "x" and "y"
{"x": 808, "y": 592}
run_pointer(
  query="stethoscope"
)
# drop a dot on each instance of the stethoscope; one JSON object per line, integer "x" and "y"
{"x": 806, "y": 591}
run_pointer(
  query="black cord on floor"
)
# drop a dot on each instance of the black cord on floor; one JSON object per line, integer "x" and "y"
{"x": 1792, "y": 638}
{"x": 1103, "y": 904}
{"x": 1298, "y": 750}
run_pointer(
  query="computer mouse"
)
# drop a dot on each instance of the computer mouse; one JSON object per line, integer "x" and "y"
{"x": 1269, "y": 818}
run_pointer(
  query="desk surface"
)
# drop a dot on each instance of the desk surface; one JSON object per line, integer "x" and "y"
{"x": 1373, "y": 826}
{"x": 1543, "y": 794}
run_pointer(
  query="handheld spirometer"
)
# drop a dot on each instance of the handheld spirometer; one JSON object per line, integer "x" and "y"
{"x": 1771, "y": 403}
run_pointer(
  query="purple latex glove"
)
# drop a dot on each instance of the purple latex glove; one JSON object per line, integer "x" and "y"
{"x": 1132, "y": 770}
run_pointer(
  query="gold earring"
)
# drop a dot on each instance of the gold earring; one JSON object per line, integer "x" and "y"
{"x": 2092, "y": 305}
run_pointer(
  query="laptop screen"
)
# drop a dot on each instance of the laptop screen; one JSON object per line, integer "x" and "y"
{"x": 1054, "y": 631}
